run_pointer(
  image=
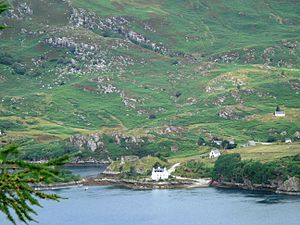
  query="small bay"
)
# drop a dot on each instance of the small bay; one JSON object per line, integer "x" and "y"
{"x": 201, "y": 206}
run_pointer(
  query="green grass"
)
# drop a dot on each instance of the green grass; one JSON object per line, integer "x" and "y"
{"x": 200, "y": 30}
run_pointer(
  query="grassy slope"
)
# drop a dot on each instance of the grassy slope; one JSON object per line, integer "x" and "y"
{"x": 199, "y": 28}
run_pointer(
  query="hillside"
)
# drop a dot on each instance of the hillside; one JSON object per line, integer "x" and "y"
{"x": 114, "y": 77}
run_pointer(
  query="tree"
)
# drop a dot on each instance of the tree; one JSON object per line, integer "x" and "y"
{"x": 278, "y": 108}
{"x": 201, "y": 141}
{"x": 178, "y": 94}
{"x": 3, "y": 7}
{"x": 17, "y": 179}
{"x": 228, "y": 168}
{"x": 17, "y": 193}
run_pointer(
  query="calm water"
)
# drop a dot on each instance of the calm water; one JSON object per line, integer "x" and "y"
{"x": 204, "y": 206}
{"x": 85, "y": 171}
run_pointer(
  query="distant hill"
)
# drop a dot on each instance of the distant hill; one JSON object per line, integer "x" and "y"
{"x": 114, "y": 77}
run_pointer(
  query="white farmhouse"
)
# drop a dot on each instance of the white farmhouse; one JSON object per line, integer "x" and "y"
{"x": 288, "y": 140}
{"x": 279, "y": 113}
{"x": 214, "y": 153}
{"x": 160, "y": 174}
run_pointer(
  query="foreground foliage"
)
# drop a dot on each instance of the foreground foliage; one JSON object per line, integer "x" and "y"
{"x": 3, "y": 7}
{"x": 16, "y": 179}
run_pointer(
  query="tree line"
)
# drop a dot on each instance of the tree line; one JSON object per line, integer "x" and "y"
{"x": 231, "y": 168}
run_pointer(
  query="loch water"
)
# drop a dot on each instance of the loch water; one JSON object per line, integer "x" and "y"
{"x": 109, "y": 205}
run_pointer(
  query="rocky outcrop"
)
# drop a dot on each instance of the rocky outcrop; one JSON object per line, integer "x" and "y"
{"x": 20, "y": 11}
{"x": 83, "y": 18}
{"x": 297, "y": 134}
{"x": 104, "y": 85}
{"x": 76, "y": 48}
{"x": 226, "y": 57}
{"x": 130, "y": 101}
{"x": 127, "y": 140}
{"x": 92, "y": 142}
{"x": 291, "y": 45}
{"x": 295, "y": 84}
{"x": 88, "y": 56}
{"x": 114, "y": 24}
{"x": 290, "y": 185}
{"x": 96, "y": 146}
{"x": 230, "y": 113}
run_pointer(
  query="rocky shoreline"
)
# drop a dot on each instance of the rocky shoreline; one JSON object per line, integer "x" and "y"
{"x": 126, "y": 183}
{"x": 256, "y": 187}
{"x": 148, "y": 184}
{"x": 57, "y": 186}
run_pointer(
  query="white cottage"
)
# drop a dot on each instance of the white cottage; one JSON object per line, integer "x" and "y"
{"x": 214, "y": 153}
{"x": 159, "y": 174}
{"x": 288, "y": 140}
{"x": 279, "y": 113}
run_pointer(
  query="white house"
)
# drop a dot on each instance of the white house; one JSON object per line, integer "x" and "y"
{"x": 232, "y": 142}
{"x": 288, "y": 140}
{"x": 214, "y": 153}
{"x": 2, "y": 133}
{"x": 251, "y": 143}
{"x": 279, "y": 113}
{"x": 159, "y": 174}
{"x": 217, "y": 142}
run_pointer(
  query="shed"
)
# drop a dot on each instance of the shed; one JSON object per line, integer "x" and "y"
{"x": 214, "y": 153}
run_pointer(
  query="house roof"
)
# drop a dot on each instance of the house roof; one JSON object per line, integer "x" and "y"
{"x": 216, "y": 151}
{"x": 279, "y": 112}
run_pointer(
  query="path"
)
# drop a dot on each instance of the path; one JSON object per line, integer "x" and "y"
{"x": 173, "y": 168}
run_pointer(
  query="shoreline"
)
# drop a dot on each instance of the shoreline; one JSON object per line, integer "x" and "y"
{"x": 151, "y": 185}
{"x": 148, "y": 185}
{"x": 255, "y": 187}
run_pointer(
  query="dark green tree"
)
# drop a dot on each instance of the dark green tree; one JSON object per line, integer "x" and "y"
{"x": 201, "y": 141}
{"x": 278, "y": 108}
{"x": 228, "y": 168}
{"x": 17, "y": 179}
{"x": 3, "y": 7}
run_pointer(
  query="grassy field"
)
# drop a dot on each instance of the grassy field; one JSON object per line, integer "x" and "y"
{"x": 234, "y": 58}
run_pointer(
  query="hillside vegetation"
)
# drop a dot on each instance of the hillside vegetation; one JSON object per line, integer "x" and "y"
{"x": 102, "y": 79}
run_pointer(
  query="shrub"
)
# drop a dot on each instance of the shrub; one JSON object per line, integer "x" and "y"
{"x": 178, "y": 94}
{"x": 152, "y": 116}
{"x": 201, "y": 141}
{"x": 19, "y": 68}
{"x": 6, "y": 59}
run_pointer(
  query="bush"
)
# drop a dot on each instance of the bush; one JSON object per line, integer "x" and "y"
{"x": 152, "y": 116}
{"x": 178, "y": 94}
{"x": 271, "y": 139}
{"x": 6, "y": 59}
{"x": 201, "y": 141}
{"x": 19, "y": 68}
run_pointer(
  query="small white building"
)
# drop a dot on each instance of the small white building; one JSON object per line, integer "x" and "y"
{"x": 251, "y": 143}
{"x": 279, "y": 113}
{"x": 288, "y": 140}
{"x": 159, "y": 174}
{"x": 217, "y": 142}
{"x": 214, "y": 153}
{"x": 2, "y": 133}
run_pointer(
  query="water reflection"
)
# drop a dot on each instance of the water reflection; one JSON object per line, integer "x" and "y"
{"x": 86, "y": 171}
{"x": 261, "y": 197}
